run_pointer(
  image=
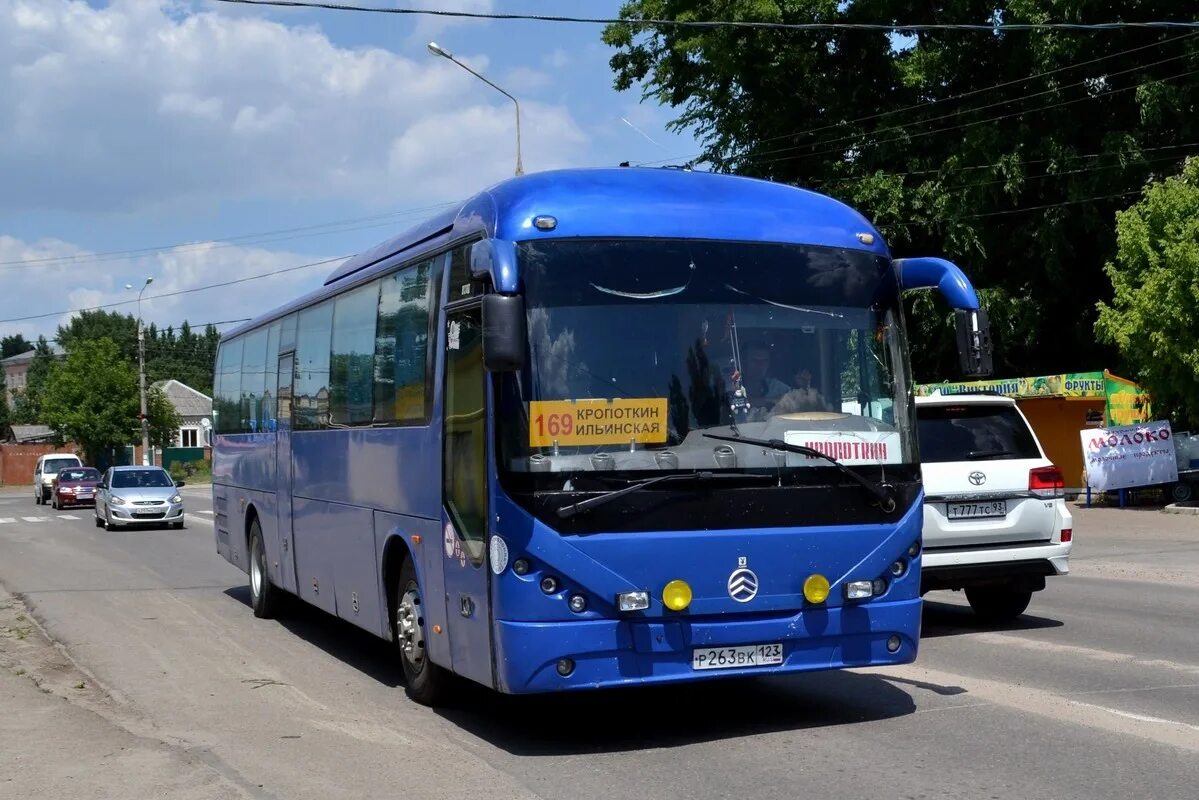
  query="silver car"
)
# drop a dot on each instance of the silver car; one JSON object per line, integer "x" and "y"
{"x": 138, "y": 496}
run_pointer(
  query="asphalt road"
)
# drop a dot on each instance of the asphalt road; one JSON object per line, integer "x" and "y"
{"x": 1094, "y": 694}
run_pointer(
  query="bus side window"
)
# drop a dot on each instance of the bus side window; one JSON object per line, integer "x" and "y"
{"x": 401, "y": 385}
{"x": 311, "y": 393}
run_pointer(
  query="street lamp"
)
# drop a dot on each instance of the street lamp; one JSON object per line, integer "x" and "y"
{"x": 141, "y": 372}
{"x": 438, "y": 50}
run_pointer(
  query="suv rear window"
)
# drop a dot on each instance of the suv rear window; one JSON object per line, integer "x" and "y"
{"x": 53, "y": 465}
{"x": 973, "y": 433}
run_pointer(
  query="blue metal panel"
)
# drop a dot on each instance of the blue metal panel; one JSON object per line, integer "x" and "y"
{"x": 387, "y": 469}
{"x": 350, "y": 533}
{"x": 313, "y": 536}
{"x": 926, "y": 273}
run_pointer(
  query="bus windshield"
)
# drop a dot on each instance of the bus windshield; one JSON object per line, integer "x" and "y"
{"x": 639, "y": 347}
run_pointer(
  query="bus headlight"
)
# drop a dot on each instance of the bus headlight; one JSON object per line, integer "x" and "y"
{"x": 859, "y": 590}
{"x": 632, "y": 601}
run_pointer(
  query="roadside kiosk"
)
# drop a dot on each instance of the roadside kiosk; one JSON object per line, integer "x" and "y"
{"x": 1059, "y": 406}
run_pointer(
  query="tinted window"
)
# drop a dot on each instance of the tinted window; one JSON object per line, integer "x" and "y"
{"x": 311, "y": 403}
{"x": 253, "y": 380}
{"x": 461, "y": 285}
{"x": 53, "y": 465}
{"x": 227, "y": 382}
{"x": 352, "y": 367}
{"x": 272, "y": 377}
{"x": 402, "y": 346}
{"x": 973, "y": 433}
{"x": 86, "y": 474}
{"x": 141, "y": 479}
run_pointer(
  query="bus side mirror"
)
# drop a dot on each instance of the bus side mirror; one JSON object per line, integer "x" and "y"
{"x": 974, "y": 342}
{"x": 504, "y": 336}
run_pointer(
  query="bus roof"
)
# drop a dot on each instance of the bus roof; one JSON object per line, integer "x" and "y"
{"x": 631, "y": 202}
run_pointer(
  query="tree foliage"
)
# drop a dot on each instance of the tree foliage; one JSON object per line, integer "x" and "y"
{"x": 14, "y": 345}
{"x": 28, "y": 406}
{"x": 1154, "y": 316}
{"x": 91, "y": 397}
{"x": 1008, "y": 152}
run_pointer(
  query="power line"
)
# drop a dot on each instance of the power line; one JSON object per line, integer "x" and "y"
{"x": 176, "y": 293}
{"x": 960, "y": 112}
{"x": 996, "y": 27}
{"x": 939, "y": 102}
{"x": 377, "y": 221}
{"x": 919, "y": 134}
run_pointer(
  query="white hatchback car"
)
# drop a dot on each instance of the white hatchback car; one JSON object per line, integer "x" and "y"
{"x": 995, "y": 517}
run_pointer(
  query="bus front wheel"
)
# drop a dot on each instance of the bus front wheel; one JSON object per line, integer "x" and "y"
{"x": 427, "y": 682}
{"x": 264, "y": 597}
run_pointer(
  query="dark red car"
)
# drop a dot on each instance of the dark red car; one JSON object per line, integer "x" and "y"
{"x": 75, "y": 486}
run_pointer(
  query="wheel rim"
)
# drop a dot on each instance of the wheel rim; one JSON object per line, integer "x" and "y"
{"x": 256, "y": 569}
{"x": 410, "y": 629}
{"x": 1182, "y": 492}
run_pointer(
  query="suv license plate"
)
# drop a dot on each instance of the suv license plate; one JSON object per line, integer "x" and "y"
{"x": 990, "y": 508}
{"x": 754, "y": 655}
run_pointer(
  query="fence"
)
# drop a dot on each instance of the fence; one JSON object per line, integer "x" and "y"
{"x": 17, "y": 461}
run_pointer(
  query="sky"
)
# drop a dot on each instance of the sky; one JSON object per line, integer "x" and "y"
{"x": 196, "y": 142}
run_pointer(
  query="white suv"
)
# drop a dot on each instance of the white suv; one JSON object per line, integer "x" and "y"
{"x": 995, "y": 521}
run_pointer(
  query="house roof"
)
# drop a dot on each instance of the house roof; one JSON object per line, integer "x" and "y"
{"x": 30, "y": 433}
{"x": 20, "y": 358}
{"x": 187, "y": 401}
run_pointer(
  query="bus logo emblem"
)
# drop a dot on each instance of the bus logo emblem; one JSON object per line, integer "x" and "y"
{"x": 743, "y": 585}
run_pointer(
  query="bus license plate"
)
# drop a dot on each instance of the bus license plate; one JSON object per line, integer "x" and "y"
{"x": 990, "y": 508}
{"x": 754, "y": 655}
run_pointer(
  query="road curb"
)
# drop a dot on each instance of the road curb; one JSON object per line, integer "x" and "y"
{"x": 1175, "y": 508}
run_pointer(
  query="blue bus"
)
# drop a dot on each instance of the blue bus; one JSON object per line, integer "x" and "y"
{"x": 593, "y": 428}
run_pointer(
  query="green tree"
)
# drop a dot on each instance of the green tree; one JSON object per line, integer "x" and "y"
{"x": 164, "y": 419}
{"x": 28, "y": 406}
{"x": 121, "y": 329}
{"x": 14, "y": 345}
{"x": 943, "y": 138}
{"x": 1153, "y": 317}
{"x": 91, "y": 398}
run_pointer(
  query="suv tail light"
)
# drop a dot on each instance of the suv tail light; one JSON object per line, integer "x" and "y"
{"x": 1046, "y": 482}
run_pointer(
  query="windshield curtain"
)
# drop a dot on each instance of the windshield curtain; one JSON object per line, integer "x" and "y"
{"x": 638, "y": 347}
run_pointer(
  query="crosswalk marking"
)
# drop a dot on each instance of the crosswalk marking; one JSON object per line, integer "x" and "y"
{"x": 68, "y": 516}
{"x": 202, "y": 511}
{"x": 4, "y": 520}
{"x": 36, "y": 519}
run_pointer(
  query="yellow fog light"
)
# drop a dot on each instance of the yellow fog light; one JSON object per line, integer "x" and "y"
{"x": 815, "y": 588}
{"x": 676, "y": 595}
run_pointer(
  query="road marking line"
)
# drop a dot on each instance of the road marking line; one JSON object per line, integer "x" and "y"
{"x": 202, "y": 511}
{"x": 36, "y": 519}
{"x": 1138, "y": 717}
{"x": 201, "y": 519}
{"x": 5, "y": 520}
{"x": 68, "y": 516}
{"x": 1106, "y": 656}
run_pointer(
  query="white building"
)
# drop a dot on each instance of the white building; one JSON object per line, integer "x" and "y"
{"x": 194, "y": 410}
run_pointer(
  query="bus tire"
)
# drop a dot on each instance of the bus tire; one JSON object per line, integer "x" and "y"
{"x": 1181, "y": 492}
{"x": 426, "y": 682}
{"x": 264, "y": 597}
{"x": 998, "y": 604}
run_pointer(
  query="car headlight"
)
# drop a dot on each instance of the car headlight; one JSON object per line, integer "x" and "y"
{"x": 67, "y": 490}
{"x": 117, "y": 501}
{"x": 176, "y": 499}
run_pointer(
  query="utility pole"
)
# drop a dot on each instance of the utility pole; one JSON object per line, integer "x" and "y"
{"x": 141, "y": 373}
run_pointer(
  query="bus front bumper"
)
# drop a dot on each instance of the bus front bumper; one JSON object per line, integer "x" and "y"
{"x": 608, "y": 653}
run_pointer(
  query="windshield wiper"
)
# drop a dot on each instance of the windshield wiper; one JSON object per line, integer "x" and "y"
{"x": 584, "y": 506}
{"x": 882, "y": 491}
{"x": 985, "y": 454}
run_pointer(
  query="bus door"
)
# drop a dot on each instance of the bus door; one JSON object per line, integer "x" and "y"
{"x": 285, "y": 573}
{"x": 464, "y": 496}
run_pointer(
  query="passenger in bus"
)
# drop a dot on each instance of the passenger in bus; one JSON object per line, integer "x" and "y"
{"x": 762, "y": 390}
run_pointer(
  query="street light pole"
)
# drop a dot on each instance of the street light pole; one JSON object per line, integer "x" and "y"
{"x": 141, "y": 373}
{"x": 438, "y": 50}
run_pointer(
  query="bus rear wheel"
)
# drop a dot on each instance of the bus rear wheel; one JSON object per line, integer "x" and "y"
{"x": 998, "y": 604}
{"x": 264, "y": 597}
{"x": 427, "y": 683}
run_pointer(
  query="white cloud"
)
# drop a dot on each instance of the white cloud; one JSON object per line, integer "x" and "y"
{"x": 428, "y": 26}
{"x": 81, "y": 280}
{"x": 140, "y": 105}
